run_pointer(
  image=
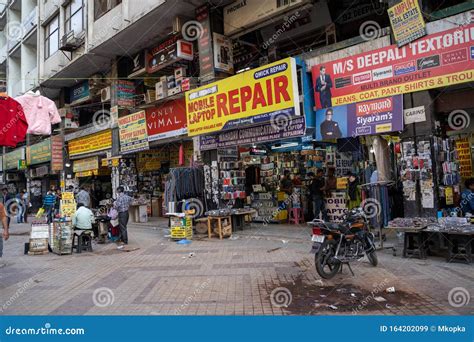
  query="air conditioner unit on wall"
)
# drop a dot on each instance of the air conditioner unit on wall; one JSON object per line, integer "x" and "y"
{"x": 12, "y": 177}
{"x": 105, "y": 94}
{"x": 69, "y": 42}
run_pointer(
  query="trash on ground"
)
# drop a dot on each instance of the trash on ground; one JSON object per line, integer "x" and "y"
{"x": 332, "y": 307}
{"x": 388, "y": 306}
{"x": 183, "y": 242}
{"x": 390, "y": 290}
{"x": 273, "y": 249}
{"x": 284, "y": 241}
{"x": 380, "y": 299}
{"x": 353, "y": 295}
{"x": 233, "y": 237}
{"x": 191, "y": 255}
{"x": 322, "y": 296}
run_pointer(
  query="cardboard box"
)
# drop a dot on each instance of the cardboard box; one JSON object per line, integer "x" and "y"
{"x": 174, "y": 91}
{"x": 163, "y": 79}
{"x": 161, "y": 91}
{"x": 179, "y": 73}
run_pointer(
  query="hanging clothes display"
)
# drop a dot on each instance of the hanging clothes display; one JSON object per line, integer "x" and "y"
{"x": 40, "y": 113}
{"x": 184, "y": 183}
{"x": 13, "y": 124}
{"x": 382, "y": 158}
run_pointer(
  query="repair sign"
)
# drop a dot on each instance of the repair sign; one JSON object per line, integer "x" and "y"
{"x": 251, "y": 97}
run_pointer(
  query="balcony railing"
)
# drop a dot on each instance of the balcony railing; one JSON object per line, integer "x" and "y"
{"x": 30, "y": 22}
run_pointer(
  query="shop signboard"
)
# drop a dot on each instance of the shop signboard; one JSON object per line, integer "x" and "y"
{"x": 124, "y": 94}
{"x": 244, "y": 13}
{"x": 223, "y": 59}
{"x": 10, "y": 159}
{"x": 138, "y": 66}
{"x": 57, "y": 159}
{"x": 336, "y": 206}
{"x": 86, "y": 164}
{"x": 463, "y": 148}
{"x": 364, "y": 118}
{"x": 167, "y": 120}
{"x": 255, "y": 96}
{"x": 407, "y": 21}
{"x": 415, "y": 114}
{"x": 39, "y": 153}
{"x": 79, "y": 93}
{"x": 254, "y": 135}
{"x": 133, "y": 133}
{"x": 22, "y": 164}
{"x": 206, "y": 60}
{"x": 435, "y": 61}
{"x": 162, "y": 55}
{"x": 150, "y": 160}
{"x": 91, "y": 143}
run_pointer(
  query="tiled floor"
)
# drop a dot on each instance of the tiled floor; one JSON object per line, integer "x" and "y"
{"x": 266, "y": 270}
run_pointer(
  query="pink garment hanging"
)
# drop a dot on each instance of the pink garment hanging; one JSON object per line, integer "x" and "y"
{"x": 181, "y": 155}
{"x": 40, "y": 113}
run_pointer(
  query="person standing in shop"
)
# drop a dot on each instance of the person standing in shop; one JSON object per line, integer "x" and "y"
{"x": 317, "y": 195}
{"x": 5, "y": 234}
{"x": 286, "y": 185}
{"x": 353, "y": 191}
{"x": 26, "y": 204}
{"x": 122, "y": 204}
{"x": 83, "y": 197}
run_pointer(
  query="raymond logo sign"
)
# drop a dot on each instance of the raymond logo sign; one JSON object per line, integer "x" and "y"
{"x": 261, "y": 92}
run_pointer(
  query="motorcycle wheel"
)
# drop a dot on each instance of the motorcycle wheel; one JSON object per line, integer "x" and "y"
{"x": 326, "y": 269}
{"x": 372, "y": 256}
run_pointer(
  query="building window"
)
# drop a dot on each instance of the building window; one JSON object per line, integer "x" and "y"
{"x": 103, "y": 6}
{"x": 51, "y": 42}
{"x": 75, "y": 16}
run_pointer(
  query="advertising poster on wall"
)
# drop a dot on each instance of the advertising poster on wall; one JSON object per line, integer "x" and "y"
{"x": 223, "y": 59}
{"x": 364, "y": 118}
{"x": 259, "y": 94}
{"x": 167, "y": 120}
{"x": 435, "y": 61}
{"x": 91, "y": 143}
{"x": 133, "y": 133}
{"x": 407, "y": 21}
{"x": 463, "y": 148}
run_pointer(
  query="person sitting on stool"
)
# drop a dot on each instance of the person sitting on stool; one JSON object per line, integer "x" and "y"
{"x": 83, "y": 218}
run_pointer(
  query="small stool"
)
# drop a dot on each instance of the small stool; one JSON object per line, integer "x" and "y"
{"x": 295, "y": 215}
{"x": 459, "y": 248}
{"x": 84, "y": 241}
{"x": 414, "y": 245}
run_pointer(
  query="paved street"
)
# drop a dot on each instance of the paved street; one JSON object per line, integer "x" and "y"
{"x": 156, "y": 276}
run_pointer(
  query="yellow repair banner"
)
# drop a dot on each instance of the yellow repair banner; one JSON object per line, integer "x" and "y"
{"x": 261, "y": 93}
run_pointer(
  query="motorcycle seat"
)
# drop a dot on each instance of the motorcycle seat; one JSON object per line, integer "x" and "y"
{"x": 338, "y": 227}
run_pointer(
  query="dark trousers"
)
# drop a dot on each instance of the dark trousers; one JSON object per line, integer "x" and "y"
{"x": 123, "y": 221}
{"x": 319, "y": 207}
{"x": 49, "y": 213}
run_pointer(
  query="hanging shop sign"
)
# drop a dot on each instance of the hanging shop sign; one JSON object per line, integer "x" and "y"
{"x": 262, "y": 93}
{"x": 415, "y": 114}
{"x": 168, "y": 52}
{"x": 39, "y": 153}
{"x": 79, "y": 93}
{"x": 57, "y": 159}
{"x": 22, "y": 164}
{"x": 124, "y": 93}
{"x": 39, "y": 171}
{"x": 86, "y": 164}
{"x": 151, "y": 160}
{"x": 167, "y": 120}
{"x": 133, "y": 133}
{"x": 407, "y": 21}
{"x": 253, "y": 135}
{"x": 206, "y": 60}
{"x": 364, "y": 118}
{"x": 138, "y": 66}
{"x": 463, "y": 148}
{"x": 10, "y": 159}
{"x": 244, "y": 14}
{"x": 223, "y": 59}
{"x": 91, "y": 143}
{"x": 435, "y": 61}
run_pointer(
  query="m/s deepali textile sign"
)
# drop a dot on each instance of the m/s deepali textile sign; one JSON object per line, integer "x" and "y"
{"x": 364, "y": 118}
{"x": 261, "y": 93}
{"x": 133, "y": 133}
{"x": 434, "y": 61}
{"x": 253, "y": 135}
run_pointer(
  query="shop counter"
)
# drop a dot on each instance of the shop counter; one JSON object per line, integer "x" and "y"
{"x": 238, "y": 218}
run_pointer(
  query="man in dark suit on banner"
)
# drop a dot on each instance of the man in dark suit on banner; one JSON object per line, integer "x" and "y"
{"x": 323, "y": 87}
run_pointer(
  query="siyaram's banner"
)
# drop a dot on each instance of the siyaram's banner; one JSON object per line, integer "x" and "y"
{"x": 364, "y": 118}
{"x": 254, "y": 96}
{"x": 434, "y": 61}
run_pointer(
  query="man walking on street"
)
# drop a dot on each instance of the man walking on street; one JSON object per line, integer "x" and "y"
{"x": 5, "y": 235}
{"x": 317, "y": 194}
{"x": 83, "y": 197}
{"x": 48, "y": 204}
{"x": 6, "y": 201}
{"x": 122, "y": 204}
